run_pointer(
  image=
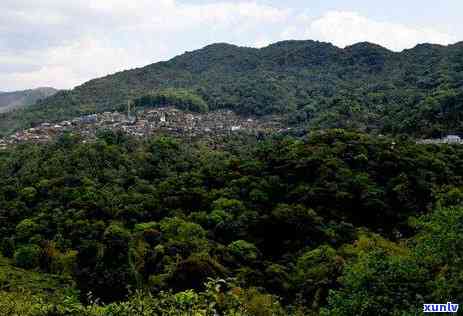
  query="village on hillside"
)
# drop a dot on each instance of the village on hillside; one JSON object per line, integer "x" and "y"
{"x": 449, "y": 139}
{"x": 148, "y": 122}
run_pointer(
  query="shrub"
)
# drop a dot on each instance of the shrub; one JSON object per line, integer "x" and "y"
{"x": 26, "y": 229}
{"x": 244, "y": 251}
{"x": 7, "y": 247}
{"x": 193, "y": 272}
{"x": 27, "y": 257}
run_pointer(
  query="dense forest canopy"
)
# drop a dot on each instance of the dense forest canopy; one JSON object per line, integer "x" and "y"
{"x": 181, "y": 99}
{"x": 364, "y": 86}
{"x": 333, "y": 223}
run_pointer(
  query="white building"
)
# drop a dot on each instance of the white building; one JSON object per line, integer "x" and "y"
{"x": 452, "y": 139}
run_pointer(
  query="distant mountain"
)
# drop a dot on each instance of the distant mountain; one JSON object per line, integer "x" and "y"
{"x": 363, "y": 86}
{"x": 17, "y": 99}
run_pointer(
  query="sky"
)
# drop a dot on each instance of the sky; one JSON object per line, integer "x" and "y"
{"x": 66, "y": 43}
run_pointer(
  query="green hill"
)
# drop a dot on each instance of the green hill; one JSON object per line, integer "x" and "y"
{"x": 17, "y": 99}
{"x": 364, "y": 86}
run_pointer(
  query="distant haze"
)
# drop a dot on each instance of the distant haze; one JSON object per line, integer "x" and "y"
{"x": 18, "y": 99}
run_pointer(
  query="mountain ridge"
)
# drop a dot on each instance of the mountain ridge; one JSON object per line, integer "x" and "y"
{"x": 304, "y": 80}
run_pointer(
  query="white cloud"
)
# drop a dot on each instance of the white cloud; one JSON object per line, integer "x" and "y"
{"x": 345, "y": 28}
{"x": 64, "y": 43}
{"x": 86, "y": 39}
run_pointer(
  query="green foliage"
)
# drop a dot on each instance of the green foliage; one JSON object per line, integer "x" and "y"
{"x": 141, "y": 227}
{"x": 313, "y": 220}
{"x": 378, "y": 283}
{"x": 27, "y": 256}
{"x": 181, "y": 99}
{"x": 26, "y": 229}
{"x": 28, "y": 194}
{"x": 316, "y": 272}
{"x": 391, "y": 279}
{"x": 214, "y": 300}
{"x": 7, "y": 247}
{"x": 439, "y": 242}
{"x": 193, "y": 272}
{"x": 230, "y": 206}
{"x": 317, "y": 264}
{"x": 116, "y": 238}
{"x": 244, "y": 251}
{"x": 42, "y": 285}
{"x": 438, "y": 246}
{"x": 219, "y": 217}
{"x": 176, "y": 228}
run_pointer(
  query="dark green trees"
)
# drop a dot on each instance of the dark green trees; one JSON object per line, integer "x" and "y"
{"x": 27, "y": 256}
{"x": 104, "y": 269}
{"x": 332, "y": 221}
{"x": 181, "y": 99}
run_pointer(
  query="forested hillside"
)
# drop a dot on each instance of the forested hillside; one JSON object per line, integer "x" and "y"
{"x": 334, "y": 223}
{"x": 364, "y": 86}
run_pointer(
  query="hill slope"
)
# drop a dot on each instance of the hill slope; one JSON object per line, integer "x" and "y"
{"x": 311, "y": 220}
{"x": 363, "y": 86}
{"x": 17, "y": 280}
{"x": 17, "y": 99}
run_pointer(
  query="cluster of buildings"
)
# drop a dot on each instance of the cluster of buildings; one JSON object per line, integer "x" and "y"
{"x": 148, "y": 122}
{"x": 449, "y": 139}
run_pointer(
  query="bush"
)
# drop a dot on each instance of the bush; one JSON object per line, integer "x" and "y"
{"x": 7, "y": 247}
{"x": 193, "y": 272}
{"x": 27, "y": 257}
{"x": 26, "y": 229}
{"x": 244, "y": 251}
{"x": 28, "y": 194}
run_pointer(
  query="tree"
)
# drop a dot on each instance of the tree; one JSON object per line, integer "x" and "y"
{"x": 193, "y": 272}
{"x": 379, "y": 283}
{"x": 244, "y": 251}
{"x": 182, "y": 99}
{"x": 184, "y": 236}
{"x": 8, "y": 247}
{"x": 438, "y": 246}
{"x": 316, "y": 272}
{"x": 27, "y": 257}
{"x": 26, "y": 229}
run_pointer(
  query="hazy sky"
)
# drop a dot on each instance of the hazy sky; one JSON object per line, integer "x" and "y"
{"x": 65, "y": 43}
